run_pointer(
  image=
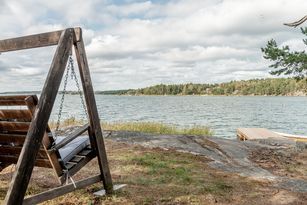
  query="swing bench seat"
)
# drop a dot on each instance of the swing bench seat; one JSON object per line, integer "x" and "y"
{"x": 70, "y": 150}
{"x": 25, "y": 136}
{"x": 66, "y": 155}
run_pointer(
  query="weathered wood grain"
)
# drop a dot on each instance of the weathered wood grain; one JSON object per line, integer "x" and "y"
{"x": 59, "y": 191}
{"x": 48, "y": 140}
{"x": 13, "y": 160}
{"x": 78, "y": 35}
{"x": 14, "y": 127}
{"x": 14, "y": 97}
{"x": 31, "y": 41}
{"x": 15, "y": 150}
{"x": 12, "y": 102}
{"x": 38, "y": 132}
{"x": 95, "y": 131}
{"x": 16, "y": 139}
{"x": 19, "y": 115}
{"x": 25, "y": 164}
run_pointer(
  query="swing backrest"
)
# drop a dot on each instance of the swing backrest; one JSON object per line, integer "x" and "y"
{"x": 14, "y": 125}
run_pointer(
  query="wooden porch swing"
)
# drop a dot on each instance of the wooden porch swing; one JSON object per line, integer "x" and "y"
{"x": 25, "y": 137}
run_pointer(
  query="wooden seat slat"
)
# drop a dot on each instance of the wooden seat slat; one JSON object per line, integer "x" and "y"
{"x": 13, "y": 160}
{"x": 84, "y": 152}
{"x": 14, "y": 97}
{"x": 18, "y": 114}
{"x": 76, "y": 159}
{"x": 13, "y": 127}
{"x": 70, "y": 165}
{"x": 15, "y": 150}
{"x": 12, "y": 103}
{"x": 79, "y": 165}
{"x": 16, "y": 139}
{"x": 13, "y": 100}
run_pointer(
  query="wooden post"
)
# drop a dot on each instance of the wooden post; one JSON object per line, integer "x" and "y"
{"x": 92, "y": 111}
{"x": 26, "y": 161}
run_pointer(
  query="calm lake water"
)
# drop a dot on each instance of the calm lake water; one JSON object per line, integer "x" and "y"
{"x": 223, "y": 114}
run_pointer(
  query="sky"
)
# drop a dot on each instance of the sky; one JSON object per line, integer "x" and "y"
{"x": 133, "y": 44}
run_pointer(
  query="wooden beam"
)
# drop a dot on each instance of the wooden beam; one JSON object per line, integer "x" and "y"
{"x": 78, "y": 34}
{"x": 95, "y": 129}
{"x": 32, "y": 41}
{"x": 25, "y": 164}
{"x": 59, "y": 191}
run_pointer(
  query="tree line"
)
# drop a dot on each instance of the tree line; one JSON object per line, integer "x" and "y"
{"x": 270, "y": 86}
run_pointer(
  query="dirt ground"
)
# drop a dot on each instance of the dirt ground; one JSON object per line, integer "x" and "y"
{"x": 158, "y": 176}
{"x": 290, "y": 163}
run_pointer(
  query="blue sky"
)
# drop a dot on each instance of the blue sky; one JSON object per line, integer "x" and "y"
{"x": 132, "y": 44}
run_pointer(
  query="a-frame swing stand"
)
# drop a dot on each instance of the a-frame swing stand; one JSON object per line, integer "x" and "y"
{"x": 65, "y": 41}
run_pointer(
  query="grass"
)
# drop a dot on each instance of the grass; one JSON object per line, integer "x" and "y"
{"x": 158, "y": 128}
{"x": 156, "y": 176}
{"x": 72, "y": 121}
{"x": 146, "y": 127}
{"x": 166, "y": 170}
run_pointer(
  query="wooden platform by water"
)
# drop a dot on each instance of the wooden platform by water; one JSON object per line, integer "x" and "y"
{"x": 263, "y": 133}
{"x": 255, "y": 133}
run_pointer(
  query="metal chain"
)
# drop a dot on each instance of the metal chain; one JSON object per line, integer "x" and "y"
{"x": 70, "y": 67}
{"x": 62, "y": 101}
{"x": 74, "y": 76}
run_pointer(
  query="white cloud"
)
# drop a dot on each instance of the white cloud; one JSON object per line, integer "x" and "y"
{"x": 25, "y": 71}
{"x": 130, "y": 9}
{"x": 199, "y": 53}
{"x": 140, "y": 43}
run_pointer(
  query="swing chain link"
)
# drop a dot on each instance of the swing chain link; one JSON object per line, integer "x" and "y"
{"x": 62, "y": 101}
{"x": 74, "y": 76}
{"x": 70, "y": 67}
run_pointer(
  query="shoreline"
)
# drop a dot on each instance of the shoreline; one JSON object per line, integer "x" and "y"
{"x": 305, "y": 95}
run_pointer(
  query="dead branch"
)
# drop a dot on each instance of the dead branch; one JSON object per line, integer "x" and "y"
{"x": 296, "y": 23}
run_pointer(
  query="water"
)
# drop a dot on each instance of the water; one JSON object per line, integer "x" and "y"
{"x": 223, "y": 114}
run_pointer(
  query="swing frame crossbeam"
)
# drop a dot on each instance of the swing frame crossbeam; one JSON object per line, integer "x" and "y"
{"x": 65, "y": 41}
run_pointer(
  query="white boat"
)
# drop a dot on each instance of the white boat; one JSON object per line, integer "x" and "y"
{"x": 294, "y": 137}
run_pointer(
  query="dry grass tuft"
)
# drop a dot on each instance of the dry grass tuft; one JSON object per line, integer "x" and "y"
{"x": 146, "y": 127}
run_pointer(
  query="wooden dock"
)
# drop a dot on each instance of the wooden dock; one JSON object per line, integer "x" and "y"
{"x": 256, "y": 133}
{"x": 262, "y": 133}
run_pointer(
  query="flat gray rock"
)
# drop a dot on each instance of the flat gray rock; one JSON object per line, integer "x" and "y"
{"x": 226, "y": 154}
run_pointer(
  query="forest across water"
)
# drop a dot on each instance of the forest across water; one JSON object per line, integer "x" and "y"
{"x": 269, "y": 87}
{"x": 260, "y": 87}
